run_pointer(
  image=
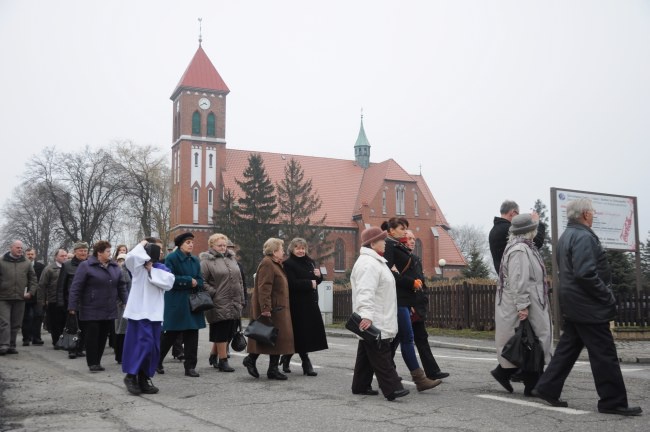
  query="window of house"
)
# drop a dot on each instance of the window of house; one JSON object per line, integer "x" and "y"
{"x": 415, "y": 203}
{"x": 210, "y": 158}
{"x": 339, "y": 255}
{"x": 196, "y": 195}
{"x": 196, "y": 123}
{"x": 196, "y": 159}
{"x": 399, "y": 200}
{"x": 383, "y": 202}
{"x": 211, "y": 123}
{"x": 418, "y": 248}
{"x": 210, "y": 196}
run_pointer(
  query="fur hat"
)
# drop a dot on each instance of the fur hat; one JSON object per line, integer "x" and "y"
{"x": 372, "y": 234}
{"x": 121, "y": 256}
{"x": 180, "y": 239}
{"x": 80, "y": 245}
{"x": 523, "y": 223}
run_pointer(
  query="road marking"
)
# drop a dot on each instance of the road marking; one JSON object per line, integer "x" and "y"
{"x": 534, "y": 405}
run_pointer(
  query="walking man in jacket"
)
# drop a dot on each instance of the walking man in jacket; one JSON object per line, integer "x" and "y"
{"x": 48, "y": 283}
{"x": 587, "y": 304}
{"x": 17, "y": 284}
{"x": 33, "y": 316}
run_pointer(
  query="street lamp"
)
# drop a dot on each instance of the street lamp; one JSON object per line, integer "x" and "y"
{"x": 442, "y": 263}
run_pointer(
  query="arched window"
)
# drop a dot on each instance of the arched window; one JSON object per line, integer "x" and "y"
{"x": 211, "y": 123}
{"x": 418, "y": 248}
{"x": 196, "y": 195}
{"x": 339, "y": 255}
{"x": 415, "y": 202}
{"x": 211, "y": 157}
{"x": 196, "y": 123}
{"x": 399, "y": 200}
{"x": 383, "y": 202}
{"x": 210, "y": 196}
{"x": 196, "y": 159}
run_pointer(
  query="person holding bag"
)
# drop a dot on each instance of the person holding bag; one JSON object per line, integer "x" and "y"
{"x": 178, "y": 317}
{"x": 522, "y": 293}
{"x": 270, "y": 299}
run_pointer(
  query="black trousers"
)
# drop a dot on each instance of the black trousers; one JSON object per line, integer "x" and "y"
{"x": 602, "y": 357}
{"x": 56, "y": 316}
{"x": 421, "y": 339}
{"x": 373, "y": 358}
{"x": 32, "y": 322}
{"x": 96, "y": 334}
{"x": 190, "y": 343}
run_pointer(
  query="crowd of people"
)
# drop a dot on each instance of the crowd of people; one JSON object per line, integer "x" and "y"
{"x": 139, "y": 301}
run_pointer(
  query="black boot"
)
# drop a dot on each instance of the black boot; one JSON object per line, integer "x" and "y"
{"x": 223, "y": 366}
{"x": 273, "y": 372}
{"x": 131, "y": 382}
{"x": 146, "y": 385}
{"x": 249, "y": 362}
{"x": 530, "y": 381}
{"x": 213, "y": 360}
{"x": 307, "y": 368}
{"x": 285, "y": 360}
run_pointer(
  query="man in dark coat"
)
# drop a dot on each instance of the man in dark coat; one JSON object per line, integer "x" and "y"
{"x": 33, "y": 316}
{"x": 66, "y": 275}
{"x": 498, "y": 237}
{"x": 587, "y": 304}
{"x": 56, "y": 313}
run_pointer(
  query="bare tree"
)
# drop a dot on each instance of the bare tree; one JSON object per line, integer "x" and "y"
{"x": 84, "y": 188}
{"x": 161, "y": 204}
{"x": 470, "y": 238}
{"x": 145, "y": 176}
{"x": 31, "y": 217}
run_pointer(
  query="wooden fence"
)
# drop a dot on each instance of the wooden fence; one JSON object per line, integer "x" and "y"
{"x": 468, "y": 305}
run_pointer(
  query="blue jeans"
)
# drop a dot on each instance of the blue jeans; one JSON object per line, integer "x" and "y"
{"x": 405, "y": 335}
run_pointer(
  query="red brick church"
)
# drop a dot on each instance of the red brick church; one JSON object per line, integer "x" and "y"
{"x": 356, "y": 193}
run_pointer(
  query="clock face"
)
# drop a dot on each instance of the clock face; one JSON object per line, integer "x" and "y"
{"x": 204, "y": 103}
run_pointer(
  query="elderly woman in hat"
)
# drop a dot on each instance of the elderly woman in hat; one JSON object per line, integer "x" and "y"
{"x": 374, "y": 299}
{"x": 178, "y": 317}
{"x": 522, "y": 294}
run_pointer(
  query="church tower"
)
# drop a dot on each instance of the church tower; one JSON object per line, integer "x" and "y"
{"x": 198, "y": 148}
{"x": 362, "y": 148}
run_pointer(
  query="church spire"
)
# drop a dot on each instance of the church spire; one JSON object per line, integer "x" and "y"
{"x": 362, "y": 147}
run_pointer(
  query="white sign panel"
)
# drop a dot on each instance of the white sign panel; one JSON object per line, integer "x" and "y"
{"x": 613, "y": 222}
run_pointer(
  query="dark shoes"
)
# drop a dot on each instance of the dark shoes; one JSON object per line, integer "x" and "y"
{"x": 12, "y": 350}
{"x": 275, "y": 374}
{"x": 96, "y": 368}
{"x": 213, "y": 360}
{"x": 25, "y": 343}
{"x": 191, "y": 373}
{"x": 438, "y": 375}
{"x": 548, "y": 399}
{"x": 285, "y": 361}
{"x": 160, "y": 370}
{"x": 250, "y": 367}
{"x": 624, "y": 411}
{"x": 367, "y": 392}
{"x": 131, "y": 383}
{"x": 307, "y": 368}
{"x": 223, "y": 366}
{"x": 502, "y": 379}
{"x": 146, "y": 386}
{"x": 38, "y": 342}
{"x": 397, "y": 394}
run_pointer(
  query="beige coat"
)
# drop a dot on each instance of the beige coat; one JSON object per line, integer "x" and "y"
{"x": 271, "y": 291}
{"x": 222, "y": 279}
{"x": 523, "y": 288}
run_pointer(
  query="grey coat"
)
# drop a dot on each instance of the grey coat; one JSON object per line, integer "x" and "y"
{"x": 16, "y": 276}
{"x": 222, "y": 280}
{"x": 523, "y": 287}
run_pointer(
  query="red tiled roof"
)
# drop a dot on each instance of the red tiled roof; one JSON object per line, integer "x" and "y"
{"x": 440, "y": 218}
{"x": 336, "y": 181}
{"x": 374, "y": 177}
{"x": 201, "y": 75}
{"x": 448, "y": 249}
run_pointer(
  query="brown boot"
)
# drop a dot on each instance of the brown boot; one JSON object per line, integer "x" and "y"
{"x": 422, "y": 382}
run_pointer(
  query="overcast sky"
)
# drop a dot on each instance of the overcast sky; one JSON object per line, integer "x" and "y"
{"x": 490, "y": 99}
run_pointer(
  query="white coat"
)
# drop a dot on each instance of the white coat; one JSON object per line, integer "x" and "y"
{"x": 373, "y": 292}
{"x": 147, "y": 296}
{"x": 523, "y": 288}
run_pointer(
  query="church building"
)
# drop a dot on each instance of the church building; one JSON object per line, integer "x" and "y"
{"x": 355, "y": 193}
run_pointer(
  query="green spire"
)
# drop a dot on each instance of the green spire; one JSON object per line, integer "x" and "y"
{"x": 362, "y": 147}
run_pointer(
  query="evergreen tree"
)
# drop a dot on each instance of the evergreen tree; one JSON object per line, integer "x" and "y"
{"x": 476, "y": 267}
{"x": 256, "y": 213}
{"x": 645, "y": 264}
{"x": 623, "y": 273}
{"x": 297, "y": 204}
{"x": 541, "y": 210}
{"x": 226, "y": 218}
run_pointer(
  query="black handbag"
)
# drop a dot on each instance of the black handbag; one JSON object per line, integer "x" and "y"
{"x": 262, "y": 331}
{"x": 238, "y": 342}
{"x": 200, "y": 301}
{"x": 524, "y": 349}
{"x": 371, "y": 334}
{"x": 69, "y": 339}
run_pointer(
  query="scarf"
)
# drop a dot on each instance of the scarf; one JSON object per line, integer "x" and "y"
{"x": 540, "y": 261}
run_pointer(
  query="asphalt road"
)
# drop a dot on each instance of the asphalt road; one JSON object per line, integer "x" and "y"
{"x": 42, "y": 390}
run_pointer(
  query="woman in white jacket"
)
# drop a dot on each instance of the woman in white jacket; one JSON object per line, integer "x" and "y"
{"x": 374, "y": 299}
{"x": 144, "y": 311}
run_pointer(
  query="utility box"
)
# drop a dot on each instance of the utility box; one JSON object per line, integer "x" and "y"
{"x": 326, "y": 300}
